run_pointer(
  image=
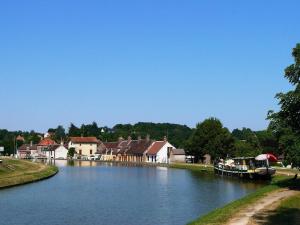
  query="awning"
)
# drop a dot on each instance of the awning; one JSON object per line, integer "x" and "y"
{"x": 270, "y": 157}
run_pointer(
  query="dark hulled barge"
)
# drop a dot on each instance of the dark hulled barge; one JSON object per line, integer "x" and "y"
{"x": 247, "y": 167}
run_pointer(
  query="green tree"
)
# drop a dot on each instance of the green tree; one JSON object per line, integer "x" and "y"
{"x": 71, "y": 152}
{"x": 246, "y": 142}
{"x": 59, "y": 134}
{"x": 210, "y": 137}
{"x": 286, "y": 122}
{"x": 74, "y": 131}
{"x": 289, "y": 102}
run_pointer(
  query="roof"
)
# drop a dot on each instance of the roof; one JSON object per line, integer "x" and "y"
{"x": 26, "y": 147}
{"x": 84, "y": 140}
{"x": 54, "y": 147}
{"x": 111, "y": 144}
{"x": 111, "y": 147}
{"x": 124, "y": 145}
{"x": 178, "y": 151}
{"x": 47, "y": 142}
{"x": 155, "y": 147}
{"x": 138, "y": 146}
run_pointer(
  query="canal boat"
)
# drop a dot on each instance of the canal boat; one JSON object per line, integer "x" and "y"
{"x": 247, "y": 167}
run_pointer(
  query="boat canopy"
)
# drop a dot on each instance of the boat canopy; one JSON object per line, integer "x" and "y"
{"x": 270, "y": 157}
{"x": 242, "y": 158}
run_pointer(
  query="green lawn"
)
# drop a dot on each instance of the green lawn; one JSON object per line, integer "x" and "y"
{"x": 288, "y": 212}
{"x": 15, "y": 172}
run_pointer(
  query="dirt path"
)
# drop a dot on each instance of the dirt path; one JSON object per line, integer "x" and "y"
{"x": 249, "y": 215}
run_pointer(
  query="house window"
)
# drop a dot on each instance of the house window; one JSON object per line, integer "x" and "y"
{"x": 80, "y": 152}
{"x": 79, "y": 144}
{"x": 90, "y": 144}
{"x": 91, "y": 151}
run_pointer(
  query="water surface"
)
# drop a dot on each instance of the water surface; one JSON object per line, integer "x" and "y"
{"x": 90, "y": 193}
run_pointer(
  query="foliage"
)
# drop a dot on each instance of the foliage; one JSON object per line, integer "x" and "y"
{"x": 210, "y": 137}
{"x": 59, "y": 134}
{"x": 71, "y": 152}
{"x": 246, "y": 142}
{"x": 74, "y": 131}
{"x": 246, "y": 149}
{"x": 268, "y": 142}
{"x": 7, "y": 139}
{"x": 286, "y": 122}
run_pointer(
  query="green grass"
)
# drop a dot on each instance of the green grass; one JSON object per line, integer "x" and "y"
{"x": 288, "y": 212}
{"x": 15, "y": 172}
{"x": 193, "y": 167}
{"x": 222, "y": 215}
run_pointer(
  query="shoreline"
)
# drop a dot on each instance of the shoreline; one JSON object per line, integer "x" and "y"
{"x": 223, "y": 215}
{"x": 21, "y": 172}
{"x": 226, "y": 213}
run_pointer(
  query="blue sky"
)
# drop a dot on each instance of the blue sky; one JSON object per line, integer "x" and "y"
{"x": 128, "y": 61}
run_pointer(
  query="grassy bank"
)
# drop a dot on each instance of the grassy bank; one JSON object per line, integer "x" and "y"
{"x": 222, "y": 215}
{"x": 194, "y": 167}
{"x": 16, "y": 172}
{"x": 287, "y": 213}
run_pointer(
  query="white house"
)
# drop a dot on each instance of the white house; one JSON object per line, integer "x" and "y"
{"x": 159, "y": 152}
{"x": 56, "y": 152}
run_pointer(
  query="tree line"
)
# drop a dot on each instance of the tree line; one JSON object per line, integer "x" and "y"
{"x": 282, "y": 136}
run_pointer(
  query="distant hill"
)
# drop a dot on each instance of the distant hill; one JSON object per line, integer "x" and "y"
{"x": 177, "y": 134}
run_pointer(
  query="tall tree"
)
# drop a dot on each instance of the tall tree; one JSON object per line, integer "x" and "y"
{"x": 74, "y": 131}
{"x": 210, "y": 137}
{"x": 59, "y": 134}
{"x": 286, "y": 122}
{"x": 289, "y": 114}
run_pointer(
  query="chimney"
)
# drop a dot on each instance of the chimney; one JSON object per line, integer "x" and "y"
{"x": 148, "y": 138}
{"x": 165, "y": 138}
{"x": 61, "y": 142}
{"x": 120, "y": 139}
{"x": 30, "y": 143}
{"x": 129, "y": 138}
{"x": 139, "y": 138}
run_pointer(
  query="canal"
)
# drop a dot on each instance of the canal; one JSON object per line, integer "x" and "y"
{"x": 91, "y": 193}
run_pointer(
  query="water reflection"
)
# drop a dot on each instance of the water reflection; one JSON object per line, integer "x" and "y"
{"x": 87, "y": 192}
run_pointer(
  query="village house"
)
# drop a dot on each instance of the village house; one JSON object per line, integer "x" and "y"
{"x": 135, "y": 152}
{"x": 84, "y": 146}
{"x": 26, "y": 151}
{"x": 108, "y": 151}
{"x": 140, "y": 150}
{"x": 57, "y": 152}
{"x": 43, "y": 146}
{"x": 177, "y": 155}
{"x": 159, "y": 152}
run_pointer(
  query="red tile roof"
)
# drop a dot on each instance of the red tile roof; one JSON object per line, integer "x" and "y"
{"x": 84, "y": 140}
{"x": 47, "y": 142}
{"x": 157, "y": 145}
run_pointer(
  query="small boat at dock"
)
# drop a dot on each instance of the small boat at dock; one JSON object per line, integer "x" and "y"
{"x": 247, "y": 167}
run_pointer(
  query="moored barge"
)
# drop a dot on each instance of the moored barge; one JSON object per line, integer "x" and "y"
{"x": 247, "y": 167}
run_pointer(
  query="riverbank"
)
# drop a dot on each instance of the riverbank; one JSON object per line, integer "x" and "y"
{"x": 15, "y": 172}
{"x": 236, "y": 212}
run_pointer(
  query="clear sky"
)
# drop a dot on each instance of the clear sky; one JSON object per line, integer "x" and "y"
{"x": 154, "y": 61}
